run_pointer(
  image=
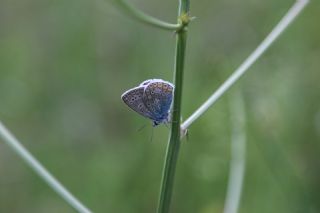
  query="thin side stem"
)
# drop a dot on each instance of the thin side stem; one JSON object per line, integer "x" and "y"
{"x": 27, "y": 157}
{"x": 174, "y": 141}
{"x": 238, "y": 154}
{"x": 294, "y": 11}
{"x": 147, "y": 19}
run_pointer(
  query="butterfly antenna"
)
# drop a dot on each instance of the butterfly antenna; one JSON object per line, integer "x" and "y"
{"x": 151, "y": 134}
{"x": 141, "y": 128}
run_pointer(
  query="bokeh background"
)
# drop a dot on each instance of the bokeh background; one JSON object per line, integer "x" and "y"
{"x": 64, "y": 65}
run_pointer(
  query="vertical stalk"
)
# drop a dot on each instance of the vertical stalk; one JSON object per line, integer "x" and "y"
{"x": 238, "y": 153}
{"x": 174, "y": 141}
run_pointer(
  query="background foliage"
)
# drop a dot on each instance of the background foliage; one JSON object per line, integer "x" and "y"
{"x": 64, "y": 65}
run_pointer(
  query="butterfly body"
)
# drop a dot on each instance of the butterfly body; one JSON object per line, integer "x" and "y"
{"x": 151, "y": 99}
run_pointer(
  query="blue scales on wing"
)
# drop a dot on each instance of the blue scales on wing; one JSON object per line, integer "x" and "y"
{"x": 157, "y": 98}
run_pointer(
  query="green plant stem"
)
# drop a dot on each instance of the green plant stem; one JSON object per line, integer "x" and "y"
{"x": 174, "y": 141}
{"x": 147, "y": 19}
{"x": 238, "y": 153}
{"x": 40, "y": 170}
{"x": 282, "y": 25}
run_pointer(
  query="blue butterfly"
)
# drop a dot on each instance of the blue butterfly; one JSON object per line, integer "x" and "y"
{"x": 151, "y": 99}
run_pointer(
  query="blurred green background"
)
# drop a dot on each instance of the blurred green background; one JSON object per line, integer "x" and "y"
{"x": 64, "y": 65}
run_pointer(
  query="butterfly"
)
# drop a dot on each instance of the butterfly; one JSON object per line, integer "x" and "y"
{"x": 151, "y": 99}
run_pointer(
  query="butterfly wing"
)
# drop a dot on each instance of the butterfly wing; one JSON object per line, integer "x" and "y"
{"x": 157, "y": 98}
{"x": 134, "y": 99}
{"x": 146, "y": 82}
